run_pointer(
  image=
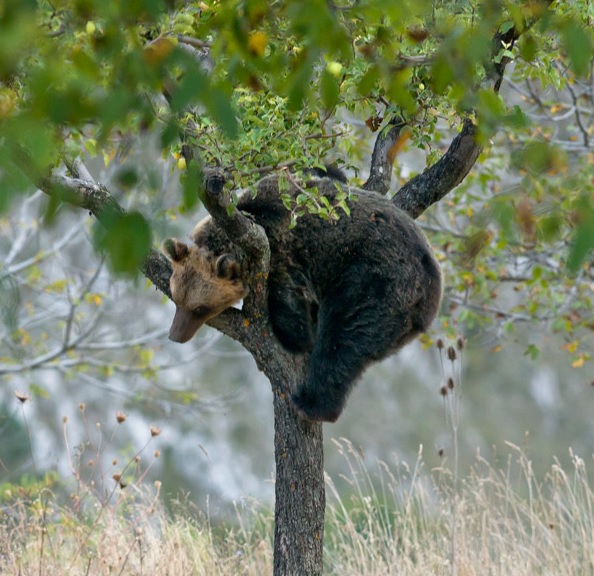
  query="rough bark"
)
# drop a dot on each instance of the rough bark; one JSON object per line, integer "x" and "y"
{"x": 300, "y": 498}
{"x": 382, "y": 158}
{"x": 439, "y": 179}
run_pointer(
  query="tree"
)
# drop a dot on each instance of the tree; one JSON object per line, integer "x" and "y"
{"x": 219, "y": 82}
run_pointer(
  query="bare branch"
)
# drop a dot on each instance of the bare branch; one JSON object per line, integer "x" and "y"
{"x": 439, "y": 179}
{"x": 242, "y": 231}
{"x": 382, "y": 159}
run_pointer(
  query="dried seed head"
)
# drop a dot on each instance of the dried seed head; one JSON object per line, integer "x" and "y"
{"x": 443, "y": 391}
{"x": 157, "y": 453}
{"x": 82, "y": 406}
{"x": 451, "y": 353}
{"x": 155, "y": 430}
{"x": 450, "y": 383}
{"x": 137, "y": 459}
{"x": 440, "y": 452}
{"x": 21, "y": 396}
{"x": 114, "y": 462}
{"x": 440, "y": 344}
{"x": 64, "y": 419}
{"x": 117, "y": 476}
{"x": 121, "y": 416}
{"x": 460, "y": 343}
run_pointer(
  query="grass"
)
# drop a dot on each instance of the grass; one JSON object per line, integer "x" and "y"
{"x": 396, "y": 520}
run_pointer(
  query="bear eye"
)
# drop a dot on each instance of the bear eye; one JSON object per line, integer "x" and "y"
{"x": 202, "y": 310}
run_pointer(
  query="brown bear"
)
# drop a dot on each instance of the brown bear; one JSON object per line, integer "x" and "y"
{"x": 349, "y": 292}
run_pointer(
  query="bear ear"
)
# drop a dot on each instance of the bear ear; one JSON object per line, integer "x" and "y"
{"x": 228, "y": 267}
{"x": 175, "y": 250}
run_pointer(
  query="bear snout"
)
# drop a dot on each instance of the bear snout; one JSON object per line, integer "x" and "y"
{"x": 185, "y": 324}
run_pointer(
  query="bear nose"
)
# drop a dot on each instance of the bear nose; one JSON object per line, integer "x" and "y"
{"x": 185, "y": 324}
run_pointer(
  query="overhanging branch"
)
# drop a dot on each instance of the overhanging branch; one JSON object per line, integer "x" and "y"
{"x": 95, "y": 198}
{"x": 439, "y": 179}
{"x": 245, "y": 234}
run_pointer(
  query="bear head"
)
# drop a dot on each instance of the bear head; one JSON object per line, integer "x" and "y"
{"x": 203, "y": 284}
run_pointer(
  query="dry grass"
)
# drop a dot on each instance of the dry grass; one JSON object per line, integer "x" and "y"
{"x": 395, "y": 521}
{"x": 135, "y": 536}
{"x": 508, "y": 523}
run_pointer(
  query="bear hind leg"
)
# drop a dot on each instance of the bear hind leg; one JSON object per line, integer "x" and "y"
{"x": 343, "y": 349}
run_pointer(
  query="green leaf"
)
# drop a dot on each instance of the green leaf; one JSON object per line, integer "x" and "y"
{"x": 577, "y": 42}
{"x": 126, "y": 241}
{"x": 38, "y": 391}
{"x": 191, "y": 185}
{"x": 221, "y": 110}
{"x": 330, "y": 90}
{"x": 368, "y": 81}
{"x": 191, "y": 88}
{"x": 537, "y": 157}
{"x": 533, "y": 351}
{"x": 442, "y": 74}
{"x": 583, "y": 239}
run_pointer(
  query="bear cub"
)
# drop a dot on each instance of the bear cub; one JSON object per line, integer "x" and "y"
{"x": 348, "y": 292}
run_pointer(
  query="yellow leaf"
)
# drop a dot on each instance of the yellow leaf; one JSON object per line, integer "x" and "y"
{"x": 23, "y": 336}
{"x": 159, "y": 49}
{"x": 57, "y": 286}
{"x": 257, "y": 43}
{"x": 571, "y": 347}
{"x": 578, "y": 363}
{"x": 496, "y": 348}
{"x": 94, "y": 299}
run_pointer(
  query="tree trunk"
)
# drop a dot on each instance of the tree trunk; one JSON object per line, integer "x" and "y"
{"x": 300, "y": 498}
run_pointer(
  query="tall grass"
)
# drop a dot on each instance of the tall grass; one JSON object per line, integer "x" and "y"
{"x": 396, "y": 520}
{"x": 508, "y": 523}
{"x": 393, "y": 519}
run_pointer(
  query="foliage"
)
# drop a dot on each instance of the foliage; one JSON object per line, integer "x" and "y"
{"x": 227, "y": 79}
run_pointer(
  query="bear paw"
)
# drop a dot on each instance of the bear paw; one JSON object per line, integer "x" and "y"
{"x": 314, "y": 409}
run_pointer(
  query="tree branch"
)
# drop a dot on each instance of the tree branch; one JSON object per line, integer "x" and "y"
{"x": 245, "y": 234}
{"x": 97, "y": 200}
{"x": 439, "y": 179}
{"x": 382, "y": 159}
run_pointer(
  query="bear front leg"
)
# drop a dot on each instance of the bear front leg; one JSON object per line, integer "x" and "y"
{"x": 293, "y": 319}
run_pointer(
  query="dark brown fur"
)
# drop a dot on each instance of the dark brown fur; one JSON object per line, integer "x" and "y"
{"x": 349, "y": 292}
